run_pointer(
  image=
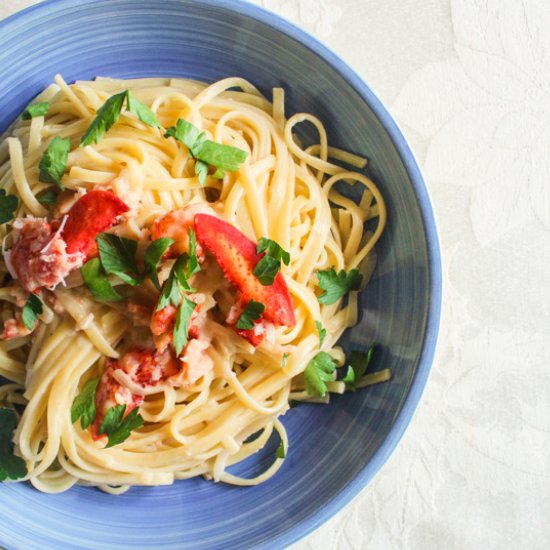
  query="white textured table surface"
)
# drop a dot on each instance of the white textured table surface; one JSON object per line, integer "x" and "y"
{"x": 469, "y": 83}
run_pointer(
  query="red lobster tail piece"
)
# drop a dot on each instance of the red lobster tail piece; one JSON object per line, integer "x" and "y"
{"x": 236, "y": 254}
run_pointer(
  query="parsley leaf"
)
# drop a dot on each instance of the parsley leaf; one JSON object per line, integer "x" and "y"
{"x": 181, "y": 329}
{"x": 11, "y": 466}
{"x": 267, "y": 268}
{"x": 118, "y": 256}
{"x": 185, "y": 132}
{"x": 337, "y": 285}
{"x": 273, "y": 249}
{"x": 280, "y": 452}
{"x": 153, "y": 254}
{"x": 322, "y": 332}
{"x": 284, "y": 360}
{"x": 171, "y": 292}
{"x": 349, "y": 379}
{"x": 193, "y": 265}
{"x": 201, "y": 170}
{"x": 54, "y": 162}
{"x": 319, "y": 371}
{"x": 47, "y": 197}
{"x": 97, "y": 281}
{"x": 84, "y": 404}
{"x": 36, "y": 109}
{"x": 108, "y": 114}
{"x": 31, "y": 311}
{"x": 223, "y": 157}
{"x": 8, "y": 206}
{"x": 105, "y": 117}
{"x": 252, "y": 312}
{"x": 117, "y": 426}
{"x": 206, "y": 152}
{"x": 141, "y": 110}
{"x": 359, "y": 361}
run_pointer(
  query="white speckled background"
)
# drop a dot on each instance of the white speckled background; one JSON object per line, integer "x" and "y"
{"x": 469, "y": 83}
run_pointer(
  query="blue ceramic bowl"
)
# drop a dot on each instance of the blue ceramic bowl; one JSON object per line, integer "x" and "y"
{"x": 336, "y": 449}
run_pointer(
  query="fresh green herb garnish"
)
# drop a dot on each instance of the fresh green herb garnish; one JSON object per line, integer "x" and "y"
{"x": 181, "y": 329}
{"x": 252, "y": 312}
{"x": 36, "y": 109}
{"x": 97, "y": 281}
{"x": 108, "y": 114}
{"x": 141, "y": 110}
{"x": 54, "y": 162}
{"x": 173, "y": 292}
{"x": 8, "y": 206}
{"x": 273, "y": 249}
{"x": 201, "y": 170}
{"x": 153, "y": 254}
{"x": 119, "y": 427}
{"x": 84, "y": 404}
{"x": 187, "y": 133}
{"x": 349, "y": 379}
{"x": 32, "y": 309}
{"x": 223, "y": 158}
{"x": 337, "y": 285}
{"x": 359, "y": 363}
{"x": 193, "y": 265}
{"x": 267, "y": 268}
{"x": 181, "y": 272}
{"x": 47, "y": 197}
{"x": 319, "y": 371}
{"x": 322, "y": 332}
{"x": 284, "y": 360}
{"x": 105, "y": 117}
{"x": 118, "y": 256}
{"x": 170, "y": 294}
{"x": 280, "y": 453}
{"x": 11, "y": 466}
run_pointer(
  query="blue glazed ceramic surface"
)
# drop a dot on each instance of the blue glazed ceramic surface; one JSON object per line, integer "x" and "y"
{"x": 335, "y": 449}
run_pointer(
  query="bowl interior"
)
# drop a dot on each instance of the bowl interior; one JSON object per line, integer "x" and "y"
{"x": 334, "y": 449}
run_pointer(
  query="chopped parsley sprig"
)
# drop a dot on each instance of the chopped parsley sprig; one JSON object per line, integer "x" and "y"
{"x": 267, "y": 268}
{"x": 223, "y": 158}
{"x": 118, "y": 256}
{"x": 8, "y": 206}
{"x": 174, "y": 292}
{"x": 31, "y": 310}
{"x": 84, "y": 404}
{"x": 97, "y": 281}
{"x": 36, "y": 109}
{"x": 11, "y": 466}
{"x": 252, "y": 312}
{"x": 115, "y": 424}
{"x": 108, "y": 114}
{"x": 322, "y": 332}
{"x": 318, "y": 372}
{"x": 119, "y": 427}
{"x": 53, "y": 164}
{"x": 153, "y": 255}
{"x": 336, "y": 285}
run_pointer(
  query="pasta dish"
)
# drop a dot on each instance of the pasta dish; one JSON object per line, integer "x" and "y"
{"x": 177, "y": 268}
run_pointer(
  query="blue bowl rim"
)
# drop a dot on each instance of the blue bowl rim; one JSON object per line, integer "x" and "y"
{"x": 349, "y": 491}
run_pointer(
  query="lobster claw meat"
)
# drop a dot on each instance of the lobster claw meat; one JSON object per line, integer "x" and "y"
{"x": 91, "y": 214}
{"x": 236, "y": 254}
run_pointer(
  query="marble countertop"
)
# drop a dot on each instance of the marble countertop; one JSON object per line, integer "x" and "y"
{"x": 469, "y": 83}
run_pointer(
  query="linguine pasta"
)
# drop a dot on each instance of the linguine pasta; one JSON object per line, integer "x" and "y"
{"x": 198, "y": 418}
